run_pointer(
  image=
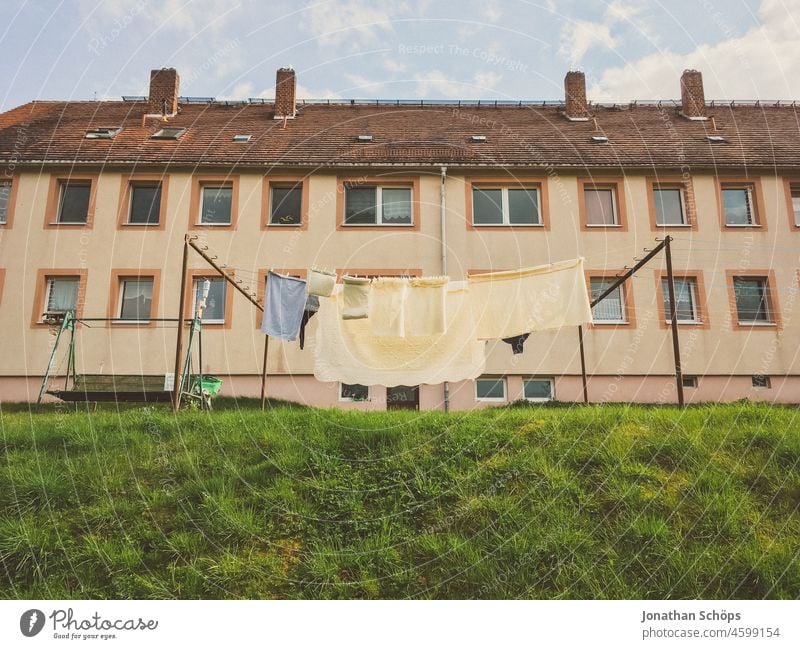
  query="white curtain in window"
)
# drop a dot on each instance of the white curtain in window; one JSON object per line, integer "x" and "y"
{"x": 63, "y": 295}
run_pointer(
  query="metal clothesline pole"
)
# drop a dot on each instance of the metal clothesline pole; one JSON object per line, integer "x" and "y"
{"x": 192, "y": 241}
{"x": 176, "y": 387}
{"x": 676, "y": 352}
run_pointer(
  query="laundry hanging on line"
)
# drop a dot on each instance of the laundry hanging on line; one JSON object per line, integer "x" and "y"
{"x": 321, "y": 282}
{"x": 425, "y": 306}
{"x": 284, "y": 302}
{"x": 515, "y": 302}
{"x": 356, "y": 297}
{"x": 387, "y": 300}
{"x": 517, "y": 343}
{"x": 347, "y": 351}
{"x": 310, "y": 310}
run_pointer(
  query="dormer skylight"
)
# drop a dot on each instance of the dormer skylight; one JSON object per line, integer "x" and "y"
{"x": 168, "y": 133}
{"x": 241, "y": 137}
{"x": 102, "y": 132}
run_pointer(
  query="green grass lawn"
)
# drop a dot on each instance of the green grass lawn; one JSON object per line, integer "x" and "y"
{"x": 519, "y": 502}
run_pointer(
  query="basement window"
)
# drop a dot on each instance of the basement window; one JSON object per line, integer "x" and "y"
{"x": 168, "y": 133}
{"x": 689, "y": 381}
{"x": 761, "y": 381}
{"x": 241, "y": 138}
{"x": 102, "y": 133}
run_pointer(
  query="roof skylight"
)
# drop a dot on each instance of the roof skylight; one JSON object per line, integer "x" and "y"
{"x": 478, "y": 138}
{"x": 364, "y": 138}
{"x": 102, "y": 132}
{"x": 241, "y": 137}
{"x": 168, "y": 133}
{"x": 715, "y": 138}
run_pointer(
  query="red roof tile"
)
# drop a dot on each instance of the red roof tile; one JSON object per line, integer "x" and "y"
{"x": 325, "y": 135}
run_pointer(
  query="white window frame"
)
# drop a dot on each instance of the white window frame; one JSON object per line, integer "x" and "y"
{"x": 62, "y": 187}
{"x": 49, "y": 289}
{"x": 351, "y": 399}
{"x": 794, "y": 189}
{"x": 614, "y": 206}
{"x": 4, "y": 213}
{"x": 540, "y": 399}
{"x": 121, "y": 297}
{"x": 506, "y": 212}
{"x": 379, "y": 207}
{"x": 207, "y": 321}
{"x": 622, "y": 304}
{"x": 771, "y": 320}
{"x": 202, "y": 201}
{"x": 690, "y": 381}
{"x": 754, "y": 216}
{"x": 272, "y": 188}
{"x": 133, "y": 187}
{"x": 503, "y": 382}
{"x": 693, "y": 292}
{"x": 681, "y": 193}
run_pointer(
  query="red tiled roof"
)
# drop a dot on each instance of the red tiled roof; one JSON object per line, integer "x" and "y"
{"x": 405, "y": 134}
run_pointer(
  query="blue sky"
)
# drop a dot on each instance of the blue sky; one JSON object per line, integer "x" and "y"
{"x": 493, "y": 49}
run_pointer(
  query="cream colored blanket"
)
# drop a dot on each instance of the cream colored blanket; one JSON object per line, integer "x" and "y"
{"x": 347, "y": 351}
{"x": 515, "y": 302}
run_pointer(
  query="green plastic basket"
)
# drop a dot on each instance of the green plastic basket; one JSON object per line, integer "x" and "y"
{"x": 211, "y": 385}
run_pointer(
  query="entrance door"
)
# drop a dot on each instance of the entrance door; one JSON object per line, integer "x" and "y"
{"x": 402, "y": 397}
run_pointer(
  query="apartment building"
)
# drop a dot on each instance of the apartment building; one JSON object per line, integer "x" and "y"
{"x": 96, "y": 198}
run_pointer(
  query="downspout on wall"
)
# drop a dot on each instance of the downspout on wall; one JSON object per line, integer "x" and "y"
{"x": 443, "y": 244}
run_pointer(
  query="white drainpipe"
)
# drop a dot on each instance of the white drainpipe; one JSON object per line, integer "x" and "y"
{"x": 443, "y": 243}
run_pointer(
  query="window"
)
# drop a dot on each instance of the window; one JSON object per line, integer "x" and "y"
{"x": 286, "y": 205}
{"x": 794, "y": 194}
{"x": 505, "y": 206}
{"x": 612, "y": 307}
{"x": 136, "y": 299}
{"x": 215, "y": 204}
{"x": 145, "y": 206}
{"x": 669, "y": 206}
{"x": 102, "y": 133}
{"x": 62, "y": 294}
{"x": 5, "y": 197}
{"x": 490, "y": 389}
{"x": 689, "y": 381}
{"x": 213, "y": 311}
{"x": 685, "y": 299}
{"x": 601, "y": 206}
{"x": 752, "y": 299}
{"x": 353, "y": 392}
{"x": 73, "y": 202}
{"x": 737, "y": 205}
{"x": 168, "y": 133}
{"x": 537, "y": 389}
{"x": 761, "y": 381}
{"x": 377, "y": 205}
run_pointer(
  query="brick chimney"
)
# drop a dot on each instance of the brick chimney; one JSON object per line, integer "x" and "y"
{"x": 693, "y": 101}
{"x": 285, "y": 90}
{"x": 576, "y": 109}
{"x": 164, "y": 89}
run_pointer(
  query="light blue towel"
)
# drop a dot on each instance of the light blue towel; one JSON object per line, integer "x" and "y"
{"x": 284, "y": 302}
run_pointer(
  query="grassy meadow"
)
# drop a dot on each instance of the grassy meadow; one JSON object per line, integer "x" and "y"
{"x": 520, "y": 502}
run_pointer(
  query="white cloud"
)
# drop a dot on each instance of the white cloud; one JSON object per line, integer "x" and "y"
{"x": 762, "y": 63}
{"x": 491, "y": 11}
{"x": 578, "y": 37}
{"x": 354, "y": 21}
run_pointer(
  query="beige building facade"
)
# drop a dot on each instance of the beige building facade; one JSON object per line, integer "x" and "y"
{"x": 739, "y": 328}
